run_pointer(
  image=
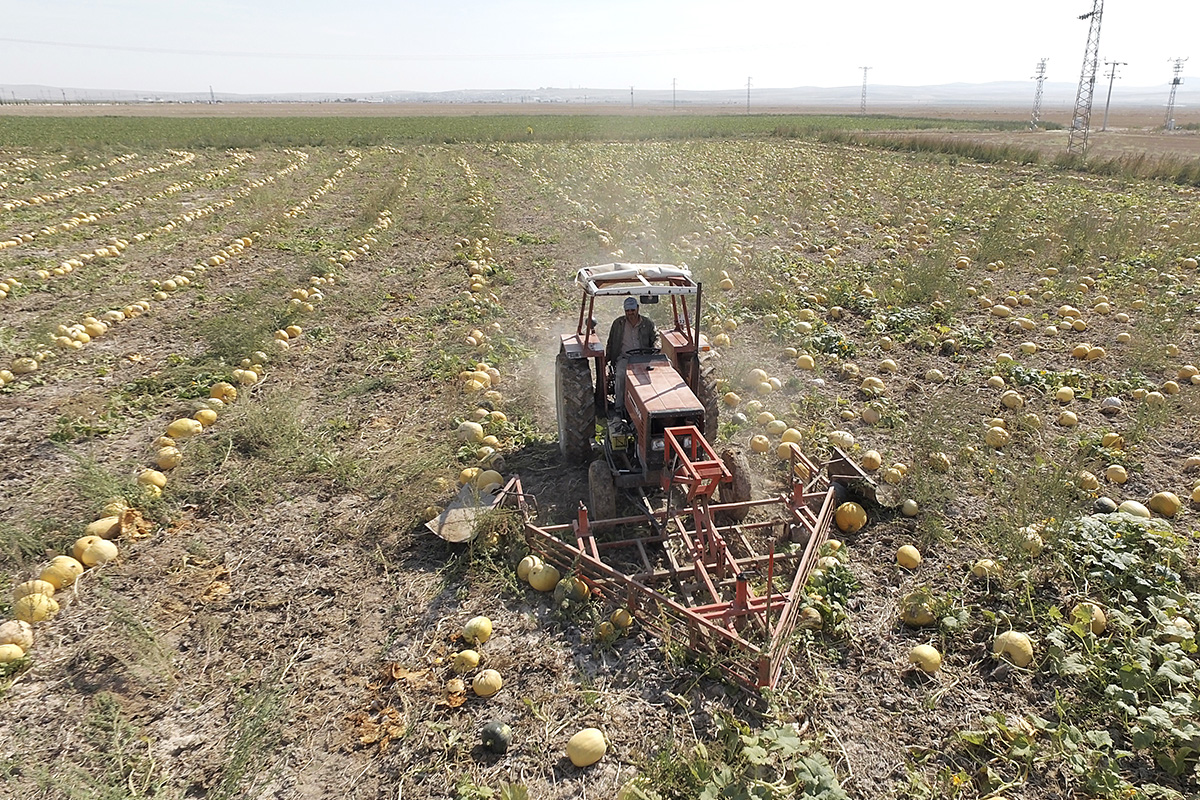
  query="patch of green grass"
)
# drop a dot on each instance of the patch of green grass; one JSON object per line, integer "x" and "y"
{"x": 934, "y": 430}
{"x": 953, "y": 148}
{"x": 255, "y": 448}
{"x": 232, "y": 336}
{"x": 530, "y": 239}
{"x": 260, "y": 447}
{"x": 398, "y": 464}
{"x": 135, "y": 643}
{"x": 380, "y": 199}
{"x": 1145, "y": 352}
{"x": 113, "y": 762}
{"x": 259, "y": 714}
{"x": 369, "y": 385}
{"x": 270, "y": 430}
{"x": 487, "y": 566}
{"x": 364, "y": 302}
{"x": 19, "y": 546}
{"x": 97, "y": 485}
{"x": 1148, "y": 422}
{"x": 1030, "y": 490}
{"x": 302, "y": 243}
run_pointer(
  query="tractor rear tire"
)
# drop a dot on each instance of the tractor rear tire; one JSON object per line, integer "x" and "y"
{"x": 709, "y": 398}
{"x": 575, "y": 402}
{"x": 602, "y": 491}
{"x": 737, "y": 490}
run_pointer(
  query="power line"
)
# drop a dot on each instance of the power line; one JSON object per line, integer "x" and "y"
{"x": 377, "y": 56}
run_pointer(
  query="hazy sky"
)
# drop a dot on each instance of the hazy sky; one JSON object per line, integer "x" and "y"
{"x": 361, "y": 47}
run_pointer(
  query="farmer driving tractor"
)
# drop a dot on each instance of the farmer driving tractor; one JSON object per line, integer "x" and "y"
{"x": 633, "y": 332}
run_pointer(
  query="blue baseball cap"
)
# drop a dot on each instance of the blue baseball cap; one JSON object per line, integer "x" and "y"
{"x": 631, "y": 303}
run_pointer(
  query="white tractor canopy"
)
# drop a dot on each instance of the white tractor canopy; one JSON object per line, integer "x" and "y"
{"x": 617, "y": 280}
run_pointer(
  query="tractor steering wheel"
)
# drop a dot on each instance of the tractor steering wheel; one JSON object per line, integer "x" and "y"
{"x": 644, "y": 351}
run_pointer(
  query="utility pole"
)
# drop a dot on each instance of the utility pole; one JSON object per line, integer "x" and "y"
{"x": 1040, "y": 77}
{"x": 631, "y": 97}
{"x": 672, "y": 94}
{"x": 1081, "y": 118}
{"x": 1175, "y": 81}
{"x": 212, "y": 98}
{"x": 862, "y": 103}
{"x": 747, "y": 95}
{"x": 1112, "y": 76}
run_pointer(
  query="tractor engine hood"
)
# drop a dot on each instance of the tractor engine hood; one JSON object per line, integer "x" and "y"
{"x": 658, "y": 390}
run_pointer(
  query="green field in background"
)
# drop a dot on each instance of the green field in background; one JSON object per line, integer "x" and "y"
{"x": 69, "y": 132}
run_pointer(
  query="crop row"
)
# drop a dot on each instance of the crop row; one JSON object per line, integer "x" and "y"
{"x": 96, "y": 215}
{"x": 180, "y": 158}
{"x": 34, "y": 601}
{"x": 25, "y": 171}
{"x": 75, "y": 335}
{"x": 118, "y": 246}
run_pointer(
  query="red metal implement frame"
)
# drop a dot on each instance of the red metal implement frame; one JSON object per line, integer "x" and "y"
{"x": 695, "y": 582}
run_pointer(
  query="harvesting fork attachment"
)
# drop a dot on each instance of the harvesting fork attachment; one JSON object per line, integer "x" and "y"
{"x": 728, "y": 590}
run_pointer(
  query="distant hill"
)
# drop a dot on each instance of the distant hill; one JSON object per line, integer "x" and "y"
{"x": 1004, "y": 94}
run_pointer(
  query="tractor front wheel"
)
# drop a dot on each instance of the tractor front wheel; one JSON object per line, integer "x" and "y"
{"x": 575, "y": 402}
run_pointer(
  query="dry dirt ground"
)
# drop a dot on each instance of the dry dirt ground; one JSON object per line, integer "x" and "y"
{"x": 283, "y": 628}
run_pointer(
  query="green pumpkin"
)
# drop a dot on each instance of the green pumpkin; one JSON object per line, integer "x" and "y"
{"x": 496, "y": 736}
{"x": 572, "y": 589}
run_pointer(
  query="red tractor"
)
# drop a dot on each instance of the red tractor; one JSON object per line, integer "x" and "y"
{"x": 665, "y": 387}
